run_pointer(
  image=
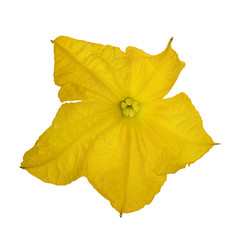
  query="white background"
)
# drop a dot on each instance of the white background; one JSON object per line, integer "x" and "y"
{"x": 203, "y": 201}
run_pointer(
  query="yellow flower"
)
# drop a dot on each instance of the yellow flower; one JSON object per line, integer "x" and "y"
{"x": 122, "y": 136}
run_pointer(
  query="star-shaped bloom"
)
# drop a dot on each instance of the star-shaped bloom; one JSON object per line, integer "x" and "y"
{"x": 124, "y": 137}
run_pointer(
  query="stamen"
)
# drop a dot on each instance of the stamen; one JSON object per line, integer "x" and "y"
{"x": 136, "y": 108}
{"x": 123, "y": 105}
{"x": 128, "y": 100}
{"x": 126, "y": 112}
{"x": 130, "y": 107}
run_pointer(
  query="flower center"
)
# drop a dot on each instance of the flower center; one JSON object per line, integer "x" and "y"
{"x": 130, "y": 107}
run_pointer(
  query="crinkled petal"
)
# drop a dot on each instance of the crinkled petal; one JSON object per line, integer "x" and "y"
{"x": 176, "y": 133}
{"x": 125, "y": 159}
{"x": 58, "y": 154}
{"x": 153, "y": 76}
{"x": 87, "y": 71}
{"x": 118, "y": 167}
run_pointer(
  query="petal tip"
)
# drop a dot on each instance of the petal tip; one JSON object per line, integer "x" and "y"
{"x": 170, "y": 41}
{"x": 183, "y": 64}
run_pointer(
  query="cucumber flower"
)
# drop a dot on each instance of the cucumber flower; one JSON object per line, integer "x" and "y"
{"x": 115, "y": 127}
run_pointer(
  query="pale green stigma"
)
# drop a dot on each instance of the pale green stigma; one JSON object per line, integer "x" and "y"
{"x": 130, "y": 107}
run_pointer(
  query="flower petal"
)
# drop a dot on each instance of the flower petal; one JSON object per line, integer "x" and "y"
{"x": 153, "y": 76}
{"x": 87, "y": 71}
{"x": 176, "y": 131}
{"x": 58, "y": 154}
{"x": 118, "y": 168}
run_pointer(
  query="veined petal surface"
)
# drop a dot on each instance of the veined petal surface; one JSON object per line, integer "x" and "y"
{"x": 58, "y": 154}
{"x": 153, "y": 76}
{"x": 119, "y": 167}
{"x": 176, "y": 133}
{"x": 88, "y": 71}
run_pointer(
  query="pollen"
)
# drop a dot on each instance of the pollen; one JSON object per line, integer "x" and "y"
{"x": 129, "y": 107}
